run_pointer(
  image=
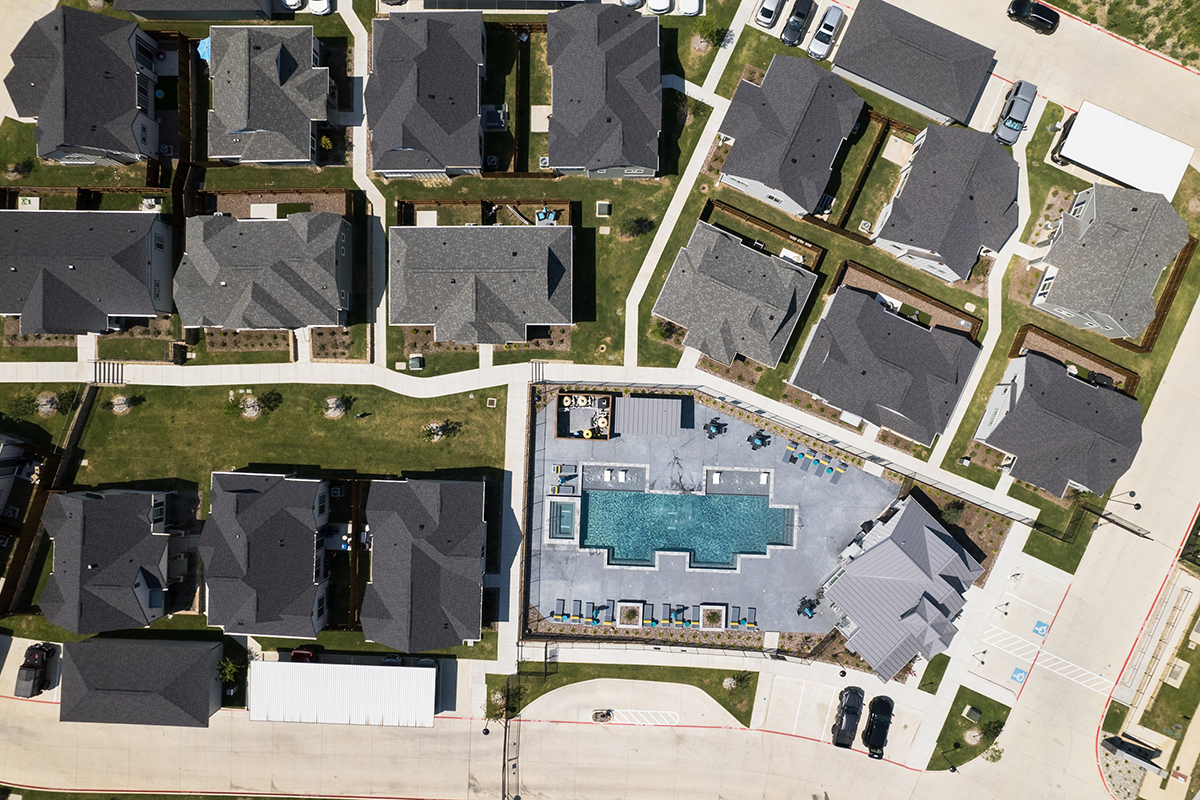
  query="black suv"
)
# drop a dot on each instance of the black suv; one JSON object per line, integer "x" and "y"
{"x": 31, "y": 677}
{"x": 1042, "y": 19}
{"x": 878, "y": 721}
{"x": 845, "y": 725}
{"x": 793, "y": 29}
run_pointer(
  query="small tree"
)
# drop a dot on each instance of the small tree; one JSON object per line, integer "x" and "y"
{"x": 993, "y": 754}
{"x": 992, "y": 729}
{"x": 326, "y": 143}
{"x": 232, "y": 407}
{"x": 951, "y": 514}
{"x": 711, "y": 32}
{"x": 229, "y": 671}
{"x": 633, "y": 227}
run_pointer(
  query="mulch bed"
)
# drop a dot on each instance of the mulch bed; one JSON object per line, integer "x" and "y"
{"x": 866, "y": 280}
{"x": 977, "y": 284}
{"x": 753, "y": 74}
{"x": 1058, "y": 201}
{"x": 985, "y": 529}
{"x": 661, "y": 330}
{"x": 552, "y": 337}
{"x": 741, "y": 371}
{"x": 14, "y": 338}
{"x": 984, "y": 456}
{"x": 217, "y": 340}
{"x": 810, "y": 405}
{"x": 897, "y": 442}
{"x": 714, "y": 162}
{"x": 158, "y": 328}
{"x": 1024, "y": 282}
{"x": 1035, "y": 340}
{"x": 420, "y": 340}
{"x": 733, "y": 639}
{"x": 331, "y": 344}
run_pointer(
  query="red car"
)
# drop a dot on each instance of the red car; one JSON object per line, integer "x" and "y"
{"x": 303, "y": 655}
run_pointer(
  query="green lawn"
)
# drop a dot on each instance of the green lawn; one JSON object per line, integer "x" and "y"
{"x": 934, "y": 672}
{"x": 365, "y": 10}
{"x": 203, "y": 357}
{"x": 17, "y": 146}
{"x": 675, "y": 36}
{"x": 37, "y": 430}
{"x": 1043, "y": 177}
{"x": 951, "y": 747}
{"x": 539, "y": 70}
{"x": 876, "y": 193}
{"x": 849, "y": 163}
{"x": 251, "y": 176}
{"x": 1114, "y": 718}
{"x": 739, "y": 702}
{"x": 131, "y": 349}
{"x": 64, "y": 353}
{"x": 35, "y": 626}
{"x": 183, "y": 433}
{"x": 435, "y": 363}
{"x": 1187, "y": 198}
{"x": 353, "y": 642}
{"x": 1065, "y": 555}
{"x": 517, "y": 355}
{"x": 1172, "y": 710}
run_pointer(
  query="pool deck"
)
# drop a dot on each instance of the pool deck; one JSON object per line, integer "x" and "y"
{"x": 830, "y": 516}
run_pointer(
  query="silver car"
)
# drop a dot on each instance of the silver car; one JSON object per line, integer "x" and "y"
{"x": 822, "y": 41}
{"x": 1015, "y": 113}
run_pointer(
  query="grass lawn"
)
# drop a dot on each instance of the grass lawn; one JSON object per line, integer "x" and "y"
{"x": 1043, "y": 177}
{"x": 37, "y": 430}
{"x": 849, "y": 163}
{"x": 934, "y": 672}
{"x": 252, "y": 176}
{"x": 203, "y": 357}
{"x": 676, "y": 33}
{"x": 1172, "y": 710}
{"x": 65, "y": 353}
{"x": 132, "y": 349}
{"x": 951, "y": 747}
{"x": 1065, "y": 555}
{"x": 1114, "y": 718}
{"x": 539, "y": 70}
{"x": 1187, "y": 198}
{"x": 365, "y": 10}
{"x": 17, "y": 146}
{"x": 876, "y": 192}
{"x": 502, "y": 356}
{"x": 1168, "y": 26}
{"x": 435, "y": 363}
{"x": 184, "y": 433}
{"x": 739, "y": 702}
{"x": 353, "y": 642}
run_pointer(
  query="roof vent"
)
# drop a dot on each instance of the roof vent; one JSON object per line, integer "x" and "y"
{"x": 223, "y": 283}
{"x": 70, "y": 266}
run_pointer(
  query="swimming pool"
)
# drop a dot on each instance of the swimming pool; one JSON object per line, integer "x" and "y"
{"x": 713, "y": 529}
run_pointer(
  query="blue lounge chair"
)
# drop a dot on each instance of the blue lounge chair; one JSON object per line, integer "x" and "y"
{"x": 751, "y": 619}
{"x": 560, "y": 611}
{"x": 576, "y": 611}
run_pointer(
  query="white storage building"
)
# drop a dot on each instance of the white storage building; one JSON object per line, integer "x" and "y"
{"x": 345, "y": 694}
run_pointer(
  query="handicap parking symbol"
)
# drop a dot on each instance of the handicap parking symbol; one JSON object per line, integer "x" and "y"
{"x": 1041, "y": 629}
{"x": 1019, "y": 675}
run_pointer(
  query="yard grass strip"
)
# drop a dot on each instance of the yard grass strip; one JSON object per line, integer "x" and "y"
{"x": 952, "y": 746}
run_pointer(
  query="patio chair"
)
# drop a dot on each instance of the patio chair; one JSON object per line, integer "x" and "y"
{"x": 622, "y": 475}
{"x": 838, "y": 472}
{"x": 647, "y": 615}
{"x": 576, "y": 609}
{"x": 806, "y": 460}
{"x": 591, "y": 613}
{"x": 735, "y": 617}
{"x": 695, "y": 616}
{"x": 560, "y": 610}
{"x": 610, "y": 609}
{"x": 789, "y": 455}
{"x": 716, "y": 479}
{"x": 751, "y": 619}
{"x": 608, "y": 474}
{"x": 667, "y": 616}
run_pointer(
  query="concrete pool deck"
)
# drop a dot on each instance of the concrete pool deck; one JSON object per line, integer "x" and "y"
{"x": 829, "y": 517}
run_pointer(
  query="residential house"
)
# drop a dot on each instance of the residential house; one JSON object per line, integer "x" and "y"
{"x": 955, "y": 202}
{"x": 265, "y": 273}
{"x": 264, "y": 554}
{"x": 269, "y": 94}
{"x": 914, "y": 62}
{"x": 77, "y": 272}
{"x": 787, "y": 134}
{"x": 1106, "y": 257}
{"x": 480, "y": 284}
{"x": 13, "y": 465}
{"x": 89, "y": 82}
{"x": 114, "y": 556}
{"x": 878, "y": 366}
{"x": 1064, "y": 432}
{"x": 422, "y": 96}
{"x": 732, "y": 298}
{"x": 427, "y": 546}
{"x": 606, "y": 91}
{"x": 141, "y": 682}
{"x": 901, "y": 595}
{"x": 196, "y": 9}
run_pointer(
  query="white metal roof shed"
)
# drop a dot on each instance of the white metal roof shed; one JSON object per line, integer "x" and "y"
{"x": 1127, "y": 152}
{"x": 346, "y": 694}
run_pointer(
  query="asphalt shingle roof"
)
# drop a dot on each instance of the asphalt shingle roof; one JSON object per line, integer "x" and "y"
{"x": 139, "y": 682}
{"x": 1061, "y": 428}
{"x": 915, "y": 58}
{"x": 102, "y": 547}
{"x": 480, "y": 284}
{"x": 1112, "y": 265}
{"x": 426, "y": 589}
{"x": 733, "y": 299}
{"x": 262, "y": 273}
{"x": 904, "y": 592}
{"x": 789, "y": 130}
{"x": 74, "y": 71}
{"x": 606, "y": 104}
{"x": 259, "y": 551}
{"x": 864, "y": 359}
{"x": 109, "y": 250}
{"x": 422, "y": 96}
{"x": 265, "y": 92}
{"x": 961, "y": 194}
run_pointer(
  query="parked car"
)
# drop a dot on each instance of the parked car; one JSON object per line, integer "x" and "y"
{"x": 32, "y": 675}
{"x": 392, "y": 660}
{"x": 432, "y": 663}
{"x": 845, "y": 725}
{"x": 689, "y": 8}
{"x": 768, "y": 11}
{"x": 1042, "y": 19}
{"x": 879, "y": 720}
{"x": 822, "y": 41}
{"x": 293, "y": 5}
{"x": 320, "y": 7}
{"x": 632, "y": 3}
{"x": 303, "y": 655}
{"x": 1015, "y": 113}
{"x": 659, "y": 6}
{"x": 797, "y": 23}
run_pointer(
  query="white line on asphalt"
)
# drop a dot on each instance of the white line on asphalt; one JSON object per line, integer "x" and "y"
{"x": 1025, "y": 651}
{"x": 799, "y": 705}
{"x": 1026, "y": 602}
{"x": 827, "y": 713}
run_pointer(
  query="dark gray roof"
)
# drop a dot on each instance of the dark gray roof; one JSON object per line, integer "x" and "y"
{"x": 733, "y": 299}
{"x": 961, "y": 194}
{"x": 480, "y": 284}
{"x": 102, "y": 547}
{"x": 259, "y": 550}
{"x": 606, "y": 104}
{"x": 422, "y": 97}
{"x": 1112, "y": 263}
{"x": 109, "y": 250}
{"x": 148, "y": 7}
{"x": 265, "y": 92}
{"x": 789, "y": 130}
{"x": 1061, "y": 428}
{"x": 74, "y": 71}
{"x": 864, "y": 359}
{"x": 903, "y": 592}
{"x": 915, "y": 58}
{"x": 426, "y": 589}
{"x": 261, "y": 273}
{"x": 139, "y": 682}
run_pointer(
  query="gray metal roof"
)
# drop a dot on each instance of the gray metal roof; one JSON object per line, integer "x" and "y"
{"x": 426, "y": 589}
{"x": 903, "y": 592}
{"x": 75, "y": 72}
{"x": 647, "y": 416}
{"x": 480, "y": 284}
{"x": 1061, "y": 429}
{"x": 102, "y": 547}
{"x": 960, "y": 195}
{"x": 266, "y": 93}
{"x": 915, "y": 58}
{"x": 259, "y": 550}
{"x": 789, "y": 130}
{"x": 606, "y": 104}
{"x": 110, "y": 253}
{"x": 733, "y": 299}
{"x": 1111, "y": 263}
{"x": 864, "y": 359}
{"x": 422, "y": 96}
{"x": 262, "y": 273}
{"x": 140, "y": 682}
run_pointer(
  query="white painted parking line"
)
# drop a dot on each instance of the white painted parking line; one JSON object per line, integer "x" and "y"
{"x": 1026, "y": 602}
{"x": 625, "y": 716}
{"x": 799, "y": 705}
{"x": 827, "y": 730}
{"x": 1026, "y": 651}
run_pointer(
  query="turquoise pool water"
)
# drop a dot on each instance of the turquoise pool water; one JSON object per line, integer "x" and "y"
{"x": 714, "y": 529}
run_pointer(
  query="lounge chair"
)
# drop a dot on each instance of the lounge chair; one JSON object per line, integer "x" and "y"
{"x": 679, "y": 615}
{"x": 735, "y": 617}
{"x": 763, "y": 478}
{"x": 668, "y": 617}
{"x": 610, "y": 609}
{"x": 789, "y": 455}
{"x": 560, "y": 611}
{"x": 608, "y": 474}
{"x": 576, "y": 611}
{"x": 807, "y": 460}
{"x": 591, "y": 614}
{"x": 751, "y": 619}
{"x": 647, "y": 615}
{"x": 695, "y": 616}
{"x": 838, "y": 472}
{"x": 621, "y": 475}
{"x": 716, "y": 478}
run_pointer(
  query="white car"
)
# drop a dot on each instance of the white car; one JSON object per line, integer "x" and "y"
{"x": 689, "y": 8}
{"x": 293, "y": 5}
{"x": 822, "y": 41}
{"x": 659, "y": 6}
{"x": 320, "y": 7}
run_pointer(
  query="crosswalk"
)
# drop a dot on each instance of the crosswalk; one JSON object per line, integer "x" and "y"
{"x": 108, "y": 373}
{"x": 1027, "y": 651}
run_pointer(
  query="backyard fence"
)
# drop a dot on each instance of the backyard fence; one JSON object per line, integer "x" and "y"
{"x": 1129, "y": 379}
{"x": 1161, "y": 309}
